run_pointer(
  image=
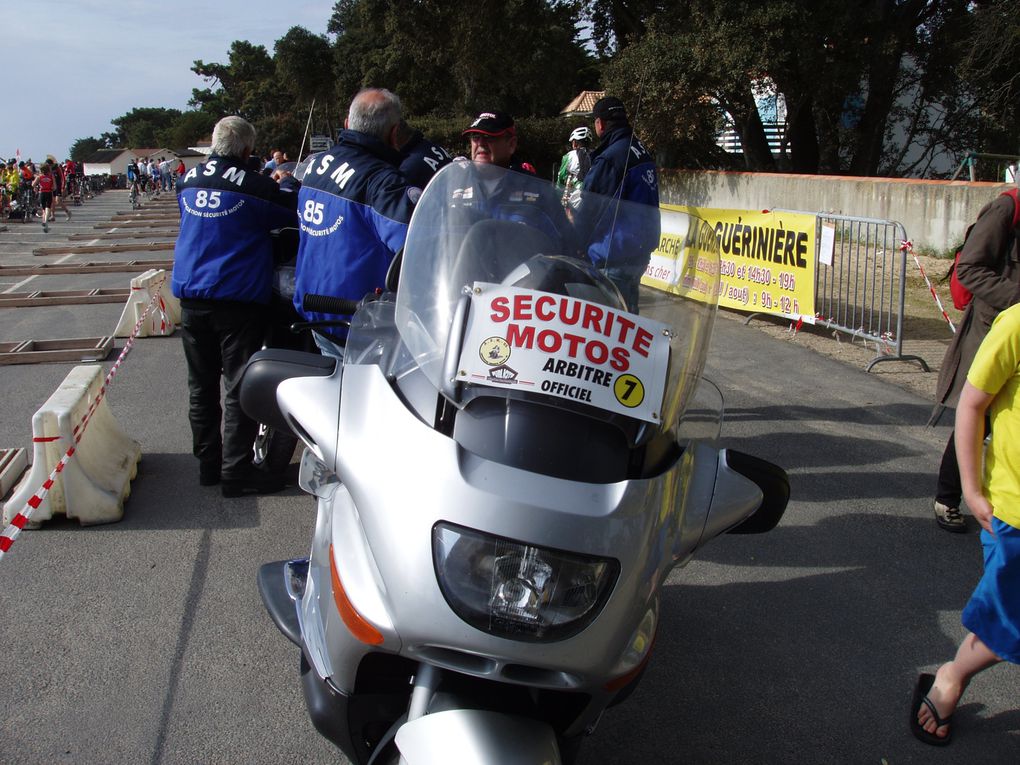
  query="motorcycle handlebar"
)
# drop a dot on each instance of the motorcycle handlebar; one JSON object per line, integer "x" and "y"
{"x": 328, "y": 304}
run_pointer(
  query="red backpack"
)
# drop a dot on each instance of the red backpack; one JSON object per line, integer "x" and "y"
{"x": 961, "y": 295}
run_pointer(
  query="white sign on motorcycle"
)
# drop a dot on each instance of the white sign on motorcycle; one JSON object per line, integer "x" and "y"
{"x": 566, "y": 347}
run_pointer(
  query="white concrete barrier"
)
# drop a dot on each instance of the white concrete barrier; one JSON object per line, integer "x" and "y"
{"x": 96, "y": 480}
{"x": 165, "y": 314}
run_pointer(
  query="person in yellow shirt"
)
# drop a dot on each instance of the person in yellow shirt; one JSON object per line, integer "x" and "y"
{"x": 992, "y": 615}
{"x": 10, "y": 181}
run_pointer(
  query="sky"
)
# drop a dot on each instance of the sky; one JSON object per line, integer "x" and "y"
{"x": 80, "y": 63}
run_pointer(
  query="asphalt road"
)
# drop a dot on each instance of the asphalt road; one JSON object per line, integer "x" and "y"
{"x": 145, "y": 641}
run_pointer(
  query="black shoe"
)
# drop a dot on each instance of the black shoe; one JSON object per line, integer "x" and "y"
{"x": 256, "y": 482}
{"x": 208, "y": 475}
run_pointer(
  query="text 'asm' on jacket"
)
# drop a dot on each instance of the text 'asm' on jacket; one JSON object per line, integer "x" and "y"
{"x": 354, "y": 207}
{"x": 224, "y": 250}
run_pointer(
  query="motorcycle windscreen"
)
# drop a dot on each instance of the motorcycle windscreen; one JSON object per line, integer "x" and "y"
{"x": 501, "y": 294}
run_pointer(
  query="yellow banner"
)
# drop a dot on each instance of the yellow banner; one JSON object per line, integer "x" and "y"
{"x": 686, "y": 263}
{"x": 767, "y": 260}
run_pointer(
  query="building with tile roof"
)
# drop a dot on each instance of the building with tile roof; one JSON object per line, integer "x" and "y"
{"x": 582, "y": 104}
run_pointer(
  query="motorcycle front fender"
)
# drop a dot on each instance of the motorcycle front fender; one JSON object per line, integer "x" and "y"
{"x": 477, "y": 736}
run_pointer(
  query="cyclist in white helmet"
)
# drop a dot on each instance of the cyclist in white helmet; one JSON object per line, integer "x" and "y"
{"x": 575, "y": 164}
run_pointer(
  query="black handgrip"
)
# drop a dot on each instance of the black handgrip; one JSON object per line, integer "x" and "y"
{"x": 328, "y": 304}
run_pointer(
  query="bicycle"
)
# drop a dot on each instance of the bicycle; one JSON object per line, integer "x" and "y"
{"x": 133, "y": 194}
{"x": 74, "y": 187}
{"x": 28, "y": 203}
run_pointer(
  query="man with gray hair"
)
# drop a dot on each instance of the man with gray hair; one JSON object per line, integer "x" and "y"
{"x": 354, "y": 207}
{"x": 223, "y": 270}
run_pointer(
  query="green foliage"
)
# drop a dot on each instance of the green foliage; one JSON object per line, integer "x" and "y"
{"x": 304, "y": 64}
{"x": 188, "y": 130}
{"x": 240, "y": 84}
{"x": 521, "y": 56}
{"x": 84, "y": 147}
{"x": 542, "y": 141}
{"x": 265, "y": 89}
{"x": 843, "y": 69}
{"x": 990, "y": 69}
{"x": 942, "y": 73}
{"x": 933, "y": 252}
{"x": 144, "y": 127}
{"x": 616, "y": 23}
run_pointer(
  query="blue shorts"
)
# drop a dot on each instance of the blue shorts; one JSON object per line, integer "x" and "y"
{"x": 993, "y": 611}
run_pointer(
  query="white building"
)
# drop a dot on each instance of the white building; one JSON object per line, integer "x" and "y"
{"x": 115, "y": 161}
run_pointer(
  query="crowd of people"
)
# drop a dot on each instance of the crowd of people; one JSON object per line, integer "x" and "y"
{"x": 29, "y": 190}
{"x": 352, "y": 210}
{"x": 155, "y": 174}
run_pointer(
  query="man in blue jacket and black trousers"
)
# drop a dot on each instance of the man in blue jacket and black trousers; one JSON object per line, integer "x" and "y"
{"x": 223, "y": 270}
{"x": 354, "y": 206}
{"x": 619, "y": 239}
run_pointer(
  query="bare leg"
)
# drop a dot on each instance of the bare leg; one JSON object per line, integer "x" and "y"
{"x": 952, "y": 679}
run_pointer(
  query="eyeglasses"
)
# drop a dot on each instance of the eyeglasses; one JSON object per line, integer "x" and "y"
{"x": 482, "y": 137}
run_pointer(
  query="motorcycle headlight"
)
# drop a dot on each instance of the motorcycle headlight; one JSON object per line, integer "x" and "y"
{"x": 519, "y": 591}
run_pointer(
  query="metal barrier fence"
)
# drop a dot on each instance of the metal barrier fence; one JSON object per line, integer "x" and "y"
{"x": 861, "y": 290}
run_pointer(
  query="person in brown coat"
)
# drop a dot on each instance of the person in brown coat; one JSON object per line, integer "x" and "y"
{"x": 989, "y": 266}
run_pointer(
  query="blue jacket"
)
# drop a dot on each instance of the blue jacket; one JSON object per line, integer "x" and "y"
{"x": 224, "y": 250}
{"x": 519, "y": 197}
{"x": 354, "y": 207}
{"x": 621, "y": 168}
{"x": 420, "y": 159}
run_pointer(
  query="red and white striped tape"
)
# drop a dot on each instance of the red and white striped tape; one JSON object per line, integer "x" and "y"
{"x": 907, "y": 246}
{"x": 162, "y": 308}
{"x": 20, "y": 520}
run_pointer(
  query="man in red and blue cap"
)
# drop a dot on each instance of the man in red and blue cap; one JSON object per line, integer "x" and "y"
{"x": 493, "y": 137}
{"x": 518, "y": 196}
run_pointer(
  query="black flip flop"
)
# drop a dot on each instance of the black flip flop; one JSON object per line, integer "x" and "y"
{"x": 924, "y": 684}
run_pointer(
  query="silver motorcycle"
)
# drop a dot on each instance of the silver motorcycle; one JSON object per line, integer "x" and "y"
{"x": 507, "y": 466}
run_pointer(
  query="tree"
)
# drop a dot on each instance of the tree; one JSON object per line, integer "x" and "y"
{"x": 242, "y": 86}
{"x": 142, "y": 127}
{"x": 86, "y": 147}
{"x": 690, "y": 72}
{"x": 188, "y": 130}
{"x": 869, "y": 86}
{"x": 989, "y": 69}
{"x": 304, "y": 61}
{"x": 843, "y": 68}
{"x": 616, "y": 23}
{"x": 540, "y": 66}
{"x": 521, "y": 56}
{"x": 249, "y": 85}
